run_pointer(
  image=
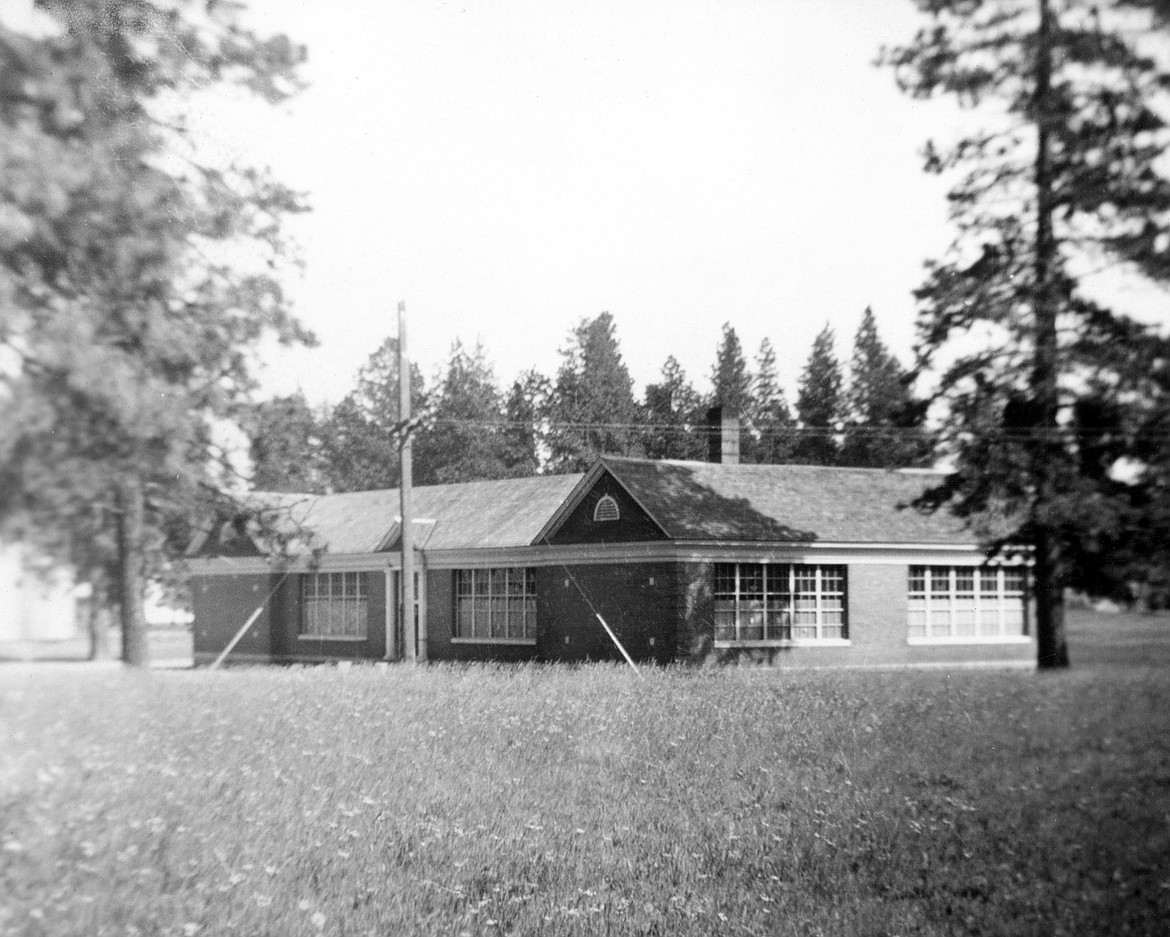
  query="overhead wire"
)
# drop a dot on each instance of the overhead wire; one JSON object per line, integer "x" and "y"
{"x": 894, "y": 432}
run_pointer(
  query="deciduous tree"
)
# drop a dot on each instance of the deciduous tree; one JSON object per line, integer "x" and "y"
{"x": 125, "y": 322}
{"x": 286, "y": 446}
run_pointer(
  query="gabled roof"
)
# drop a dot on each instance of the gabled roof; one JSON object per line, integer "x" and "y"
{"x": 689, "y": 501}
{"x": 506, "y": 513}
{"x": 699, "y": 501}
{"x": 471, "y": 515}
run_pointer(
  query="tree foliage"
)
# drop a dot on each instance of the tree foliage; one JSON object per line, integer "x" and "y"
{"x": 675, "y": 417}
{"x": 592, "y": 411}
{"x": 464, "y": 439}
{"x": 730, "y": 378}
{"x": 770, "y": 426}
{"x": 1067, "y": 176}
{"x": 285, "y": 445}
{"x": 883, "y": 425}
{"x": 363, "y": 430}
{"x": 818, "y": 404}
{"x": 123, "y": 325}
{"x": 524, "y": 433}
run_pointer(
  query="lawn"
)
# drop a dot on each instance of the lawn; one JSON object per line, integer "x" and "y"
{"x": 549, "y": 800}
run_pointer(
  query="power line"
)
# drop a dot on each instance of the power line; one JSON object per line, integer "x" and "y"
{"x": 1020, "y": 434}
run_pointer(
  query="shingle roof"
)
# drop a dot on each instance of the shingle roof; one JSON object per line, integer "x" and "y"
{"x": 691, "y": 501}
{"x": 504, "y": 513}
{"x": 708, "y": 501}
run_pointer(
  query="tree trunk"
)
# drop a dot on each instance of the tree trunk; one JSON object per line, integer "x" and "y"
{"x": 1047, "y": 452}
{"x": 130, "y": 571}
{"x": 1051, "y": 643}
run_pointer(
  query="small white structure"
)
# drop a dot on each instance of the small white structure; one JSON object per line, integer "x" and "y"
{"x": 37, "y": 603}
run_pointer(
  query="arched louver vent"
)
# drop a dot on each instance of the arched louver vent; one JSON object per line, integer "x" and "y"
{"x": 606, "y": 510}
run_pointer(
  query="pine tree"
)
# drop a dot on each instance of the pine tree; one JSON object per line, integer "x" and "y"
{"x": 592, "y": 411}
{"x": 770, "y": 424}
{"x": 1069, "y": 176}
{"x": 524, "y": 433}
{"x": 130, "y": 314}
{"x": 883, "y": 426}
{"x": 464, "y": 437}
{"x": 363, "y": 431}
{"x": 674, "y": 417}
{"x": 730, "y": 379}
{"x": 818, "y": 405}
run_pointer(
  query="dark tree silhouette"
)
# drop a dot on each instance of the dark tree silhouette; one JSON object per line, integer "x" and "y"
{"x": 883, "y": 427}
{"x": 1069, "y": 175}
{"x": 818, "y": 405}
{"x": 592, "y": 409}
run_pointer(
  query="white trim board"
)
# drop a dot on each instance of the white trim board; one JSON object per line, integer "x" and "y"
{"x": 854, "y": 554}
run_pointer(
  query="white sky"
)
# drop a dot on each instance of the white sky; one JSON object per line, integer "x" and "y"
{"x": 507, "y": 168}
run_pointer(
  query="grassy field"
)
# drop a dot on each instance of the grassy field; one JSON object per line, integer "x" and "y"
{"x": 536, "y": 800}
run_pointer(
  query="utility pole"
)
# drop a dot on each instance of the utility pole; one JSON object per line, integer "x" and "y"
{"x": 415, "y": 643}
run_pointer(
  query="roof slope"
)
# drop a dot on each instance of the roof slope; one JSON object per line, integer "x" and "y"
{"x": 709, "y": 501}
{"x": 504, "y": 513}
{"x": 507, "y": 513}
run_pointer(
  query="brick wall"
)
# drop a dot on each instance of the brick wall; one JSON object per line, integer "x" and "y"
{"x": 287, "y": 645}
{"x": 876, "y": 607}
{"x": 441, "y": 627}
{"x": 221, "y": 605}
{"x": 639, "y": 602}
{"x": 876, "y": 614}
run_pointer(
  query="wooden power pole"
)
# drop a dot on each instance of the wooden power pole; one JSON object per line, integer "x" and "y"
{"x": 413, "y": 637}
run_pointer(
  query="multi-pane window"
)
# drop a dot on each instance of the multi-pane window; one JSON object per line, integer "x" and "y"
{"x": 972, "y": 602}
{"x": 495, "y": 604}
{"x": 779, "y": 602}
{"x": 334, "y": 605}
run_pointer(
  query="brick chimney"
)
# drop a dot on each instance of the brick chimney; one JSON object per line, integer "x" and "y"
{"x": 722, "y": 437}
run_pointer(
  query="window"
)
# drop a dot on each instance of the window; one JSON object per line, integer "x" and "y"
{"x": 334, "y": 605}
{"x": 970, "y": 603}
{"x": 779, "y": 602}
{"x": 495, "y": 605}
{"x": 606, "y": 510}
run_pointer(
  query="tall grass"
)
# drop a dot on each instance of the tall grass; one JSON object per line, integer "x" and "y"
{"x": 544, "y": 800}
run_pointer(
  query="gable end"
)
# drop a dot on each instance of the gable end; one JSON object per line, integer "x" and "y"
{"x": 605, "y": 512}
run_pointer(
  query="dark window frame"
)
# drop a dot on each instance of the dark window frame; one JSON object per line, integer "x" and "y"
{"x": 335, "y": 606}
{"x": 781, "y": 603}
{"x": 494, "y": 605}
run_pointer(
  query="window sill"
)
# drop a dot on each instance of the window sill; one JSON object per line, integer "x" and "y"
{"x": 974, "y": 639}
{"x": 353, "y": 638}
{"x": 525, "y": 642}
{"x": 808, "y": 642}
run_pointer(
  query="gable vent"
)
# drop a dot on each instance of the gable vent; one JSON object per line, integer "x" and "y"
{"x": 606, "y": 510}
